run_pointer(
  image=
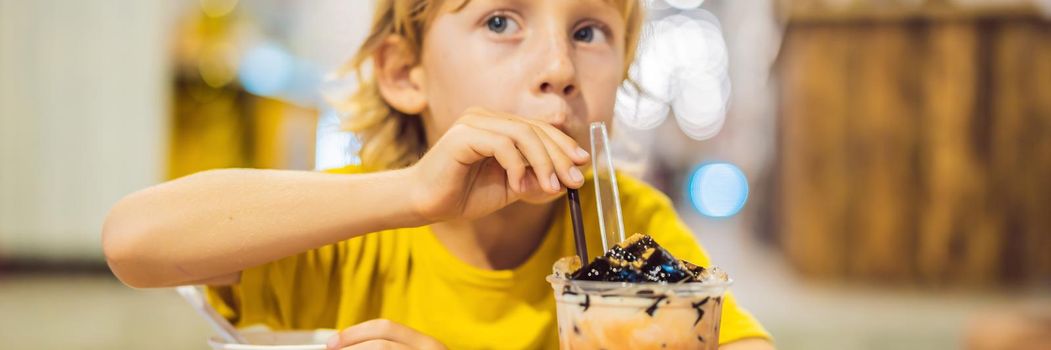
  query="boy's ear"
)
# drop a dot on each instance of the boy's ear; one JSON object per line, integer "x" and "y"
{"x": 399, "y": 76}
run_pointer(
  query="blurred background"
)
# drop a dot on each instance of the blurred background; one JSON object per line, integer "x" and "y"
{"x": 874, "y": 174}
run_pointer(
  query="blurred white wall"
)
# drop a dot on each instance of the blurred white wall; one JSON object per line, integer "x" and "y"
{"x": 83, "y": 113}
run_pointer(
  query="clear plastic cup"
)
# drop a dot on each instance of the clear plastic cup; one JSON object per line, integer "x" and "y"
{"x": 621, "y": 315}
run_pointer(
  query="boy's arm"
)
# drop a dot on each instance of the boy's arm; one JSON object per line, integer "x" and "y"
{"x": 207, "y": 227}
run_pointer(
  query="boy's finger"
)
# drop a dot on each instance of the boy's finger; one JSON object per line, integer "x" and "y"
{"x": 527, "y": 141}
{"x": 378, "y": 344}
{"x": 530, "y": 186}
{"x": 536, "y": 195}
{"x": 566, "y": 143}
{"x": 567, "y": 171}
{"x": 484, "y": 144}
{"x": 381, "y": 329}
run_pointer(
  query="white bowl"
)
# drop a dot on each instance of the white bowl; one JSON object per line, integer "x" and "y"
{"x": 265, "y": 340}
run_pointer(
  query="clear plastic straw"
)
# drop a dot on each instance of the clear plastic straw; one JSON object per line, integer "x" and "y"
{"x": 611, "y": 222}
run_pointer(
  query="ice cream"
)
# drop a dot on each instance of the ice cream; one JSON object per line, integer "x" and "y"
{"x": 637, "y": 296}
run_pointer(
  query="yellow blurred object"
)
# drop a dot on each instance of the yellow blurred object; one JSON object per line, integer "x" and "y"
{"x": 284, "y": 135}
{"x": 215, "y": 122}
{"x": 228, "y": 127}
{"x": 217, "y": 64}
{"x": 208, "y": 129}
{"x": 218, "y": 8}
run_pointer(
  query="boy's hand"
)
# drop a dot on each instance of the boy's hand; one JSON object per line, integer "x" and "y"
{"x": 382, "y": 334}
{"x": 488, "y": 160}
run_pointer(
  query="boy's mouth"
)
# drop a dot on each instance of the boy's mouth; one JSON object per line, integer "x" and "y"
{"x": 562, "y": 117}
{"x": 565, "y": 121}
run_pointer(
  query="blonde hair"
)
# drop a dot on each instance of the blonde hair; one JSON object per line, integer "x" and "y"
{"x": 391, "y": 139}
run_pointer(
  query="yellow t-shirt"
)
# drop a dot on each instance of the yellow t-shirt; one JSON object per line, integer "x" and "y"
{"x": 406, "y": 275}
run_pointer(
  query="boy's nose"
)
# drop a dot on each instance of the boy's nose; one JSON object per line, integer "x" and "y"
{"x": 557, "y": 88}
{"x": 557, "y": 74}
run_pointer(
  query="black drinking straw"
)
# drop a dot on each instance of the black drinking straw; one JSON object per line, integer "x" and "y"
{"x": 578, "y": 224}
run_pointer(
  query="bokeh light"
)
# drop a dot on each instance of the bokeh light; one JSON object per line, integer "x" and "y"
{"x": 266, "y": 70}
{"x": 681, "y": 67}
{"x": 336, "y": 147}
{"x": 655, "y": 5}
{"x": 685, "y": 4}
{"x": 700, "y": 107}
{"x": 639, "y": 110}
{"x": 718, "y": 189}
{"x": 217, "y": 64}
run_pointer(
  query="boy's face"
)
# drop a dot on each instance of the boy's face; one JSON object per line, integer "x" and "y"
{"x": 560, "y": 61}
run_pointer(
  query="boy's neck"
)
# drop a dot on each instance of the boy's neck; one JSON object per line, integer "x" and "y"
{"x": 502, "y": 240}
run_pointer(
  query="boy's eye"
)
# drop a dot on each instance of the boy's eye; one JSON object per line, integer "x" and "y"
{"x": 588, "y": 34}
{"x": 501, "y": 24}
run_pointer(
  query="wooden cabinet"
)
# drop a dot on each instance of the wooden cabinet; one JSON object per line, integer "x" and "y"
{"x": 914, "y": 143}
